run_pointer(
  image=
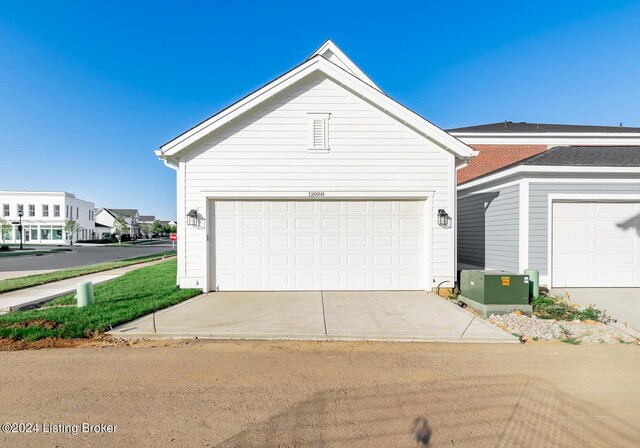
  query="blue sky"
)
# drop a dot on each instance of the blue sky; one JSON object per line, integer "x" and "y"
{"x": 89, "y": 89}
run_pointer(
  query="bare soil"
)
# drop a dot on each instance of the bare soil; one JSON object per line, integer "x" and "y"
{"x": 320, "y": 394}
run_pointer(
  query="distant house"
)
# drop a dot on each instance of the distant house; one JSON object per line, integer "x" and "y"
{"x": 105, "y": 217}
{"x": 146, "y": 221}
{"x": 43, "y": 216}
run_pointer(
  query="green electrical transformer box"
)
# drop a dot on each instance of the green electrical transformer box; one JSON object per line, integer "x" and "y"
{"x": 495, "y": 287}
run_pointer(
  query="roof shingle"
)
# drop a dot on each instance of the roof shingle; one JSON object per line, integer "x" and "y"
{"x": 524, "y": 127}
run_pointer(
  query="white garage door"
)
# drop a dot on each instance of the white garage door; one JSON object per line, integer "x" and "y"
{"x": 316, "y": 245}
{"x": 596, "y": 244}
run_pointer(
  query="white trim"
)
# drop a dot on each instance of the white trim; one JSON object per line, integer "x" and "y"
{"x": 207, "y": 197}
{"x": 550, "y": 169}
{"x": 540, "y": 180}
{"x": 359, "y": 87}
{"x": 550, "y": 139}
{"x": 454, "y": 208}
{"x": 348, "y": 63}
{"x": 604, "y": 197}
{"x": 180, "y": 222}
{"x": 492, "y": 188}
{"x": 209, "y": 253}
{"x": 576, "y": 197}
{"x": 428, "y": 229}
{"x": 327, "y": 194}
{"x": 523, "y": 226}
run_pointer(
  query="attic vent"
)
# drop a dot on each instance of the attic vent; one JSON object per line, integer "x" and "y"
{"x": 318, "y": 131}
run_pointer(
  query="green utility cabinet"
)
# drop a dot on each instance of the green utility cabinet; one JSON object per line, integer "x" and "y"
{"x": 495, "y": 292}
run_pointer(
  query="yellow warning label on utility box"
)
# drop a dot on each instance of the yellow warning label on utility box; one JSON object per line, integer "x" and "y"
{"x": 506, "y": 281}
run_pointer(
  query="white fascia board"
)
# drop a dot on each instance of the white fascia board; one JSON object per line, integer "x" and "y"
{"x": 342, "y": 77}
{"x": 527, "y": 169}
{"x": 348, "y": 63}
{"x": 551, "y": 139}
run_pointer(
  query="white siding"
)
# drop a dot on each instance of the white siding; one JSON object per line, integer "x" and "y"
{"x": 268, "y": 151}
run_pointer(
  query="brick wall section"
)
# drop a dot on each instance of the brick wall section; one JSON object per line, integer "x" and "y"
{"x": 493, "y": 157}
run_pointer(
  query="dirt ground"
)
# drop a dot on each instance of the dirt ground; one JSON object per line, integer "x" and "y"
{"x": 320, "y": 394}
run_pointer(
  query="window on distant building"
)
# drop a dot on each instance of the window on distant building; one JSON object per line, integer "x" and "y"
{"x": 77, "y": 212}
{"x": 45, "y": 210}
{"x": 56, "y": 211}
{"x": 20, "y": 209}
{"x": 32, "y": 210}
{"x": 5, "y": 209}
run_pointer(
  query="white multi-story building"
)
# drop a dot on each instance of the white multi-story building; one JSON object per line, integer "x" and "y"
{"x": 44, "y": 214}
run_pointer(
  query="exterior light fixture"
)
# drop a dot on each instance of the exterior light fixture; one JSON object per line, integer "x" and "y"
{"x": 444, "y": 219}
{"x": 192, "y": 218}
{"x": 20, "y": 227}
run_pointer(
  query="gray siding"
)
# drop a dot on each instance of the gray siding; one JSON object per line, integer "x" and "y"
{"x": 539, "y": 213}
{"x": 488, "y": 229}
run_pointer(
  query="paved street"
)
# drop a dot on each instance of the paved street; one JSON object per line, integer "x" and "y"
{"x": 80, "y": 256}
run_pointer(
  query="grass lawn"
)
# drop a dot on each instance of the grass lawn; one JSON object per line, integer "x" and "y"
{"x": 13, "y": 284}
{"x": 117, "y": 301}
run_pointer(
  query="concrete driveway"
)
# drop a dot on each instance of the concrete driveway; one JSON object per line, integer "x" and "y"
{"x": 318, "y": 315}
{"x": 622, "y": 304}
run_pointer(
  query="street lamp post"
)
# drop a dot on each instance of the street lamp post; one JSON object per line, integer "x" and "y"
{"x": 20, "y": 227}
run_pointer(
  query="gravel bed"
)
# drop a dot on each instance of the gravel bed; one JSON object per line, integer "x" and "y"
{"x": 588, "y": 331}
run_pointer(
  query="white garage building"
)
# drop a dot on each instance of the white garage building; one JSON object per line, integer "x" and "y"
{"x": 316, "y": 181}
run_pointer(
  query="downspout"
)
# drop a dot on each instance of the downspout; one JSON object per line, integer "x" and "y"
{"x": 167, "y": 162}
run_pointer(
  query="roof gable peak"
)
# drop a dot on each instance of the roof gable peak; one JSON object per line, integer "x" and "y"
{"x": 336, "y": 56}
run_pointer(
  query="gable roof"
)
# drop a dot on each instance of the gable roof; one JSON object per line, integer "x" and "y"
{"x": 587, "y": 156}
{"x": 122, "y": 211}
{"x": 588, "y": 159}
{"x": 494, "y": 157}
{"x": 508, "y": 127}
{"x": 332, "y": 53}
{"x": 341, "y": 70}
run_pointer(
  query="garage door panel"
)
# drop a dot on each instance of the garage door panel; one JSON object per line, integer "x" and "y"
{"x": 311, "y": 245}
{"x": 591, "y": 247}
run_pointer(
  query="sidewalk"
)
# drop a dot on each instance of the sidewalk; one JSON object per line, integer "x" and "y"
{"x": 25, "y": 298}
{"x": 16, "y": 274}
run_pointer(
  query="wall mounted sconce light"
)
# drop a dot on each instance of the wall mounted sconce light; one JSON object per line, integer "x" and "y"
{"x": 444, "y": 220}
{"x": 192, "y": 218}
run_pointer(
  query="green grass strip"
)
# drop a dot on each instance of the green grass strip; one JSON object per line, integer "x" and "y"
{"x": 117, "y": 301}
{"x": 13, "y": 284}
{"x": 24, "y": 254}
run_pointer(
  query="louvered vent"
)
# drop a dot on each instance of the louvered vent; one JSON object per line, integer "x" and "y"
{"x": 318, "y": 131}
{"x": 318, "y": 134}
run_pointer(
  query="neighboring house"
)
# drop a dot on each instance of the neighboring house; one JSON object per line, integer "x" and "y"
{"x": 102, "y": 231}
{"x": 146, "y": 220}
{"x": 106, "y": 217}
{"x": 501, "y": 144}
{"x": 43, "y": 216}
{"x": 318, "y": 180}
{"x": 573, "y": 213}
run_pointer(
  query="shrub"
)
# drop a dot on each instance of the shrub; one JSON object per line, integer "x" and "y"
{"x": 4, "y": 247}
{"x": 546, "y": 307}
